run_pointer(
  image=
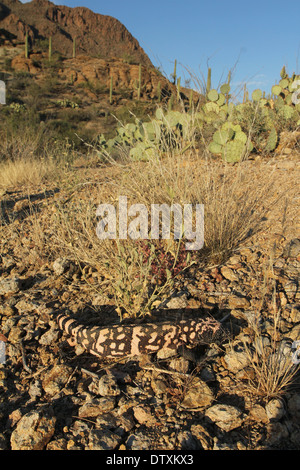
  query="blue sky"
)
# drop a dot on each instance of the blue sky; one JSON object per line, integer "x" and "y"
{"x": 256, "y": 38}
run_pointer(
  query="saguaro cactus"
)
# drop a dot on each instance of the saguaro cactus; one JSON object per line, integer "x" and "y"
{"x": 140, "y": 81}
{"x": 74, "y": 48}
{"x": 208, "y": 82}
{"x": 50, "y": 48}
{"x": 175, "y": 72}
{"x": 178, "y": 89}
{"x": 111, "y": 89}
{"x": 26, "y": 46}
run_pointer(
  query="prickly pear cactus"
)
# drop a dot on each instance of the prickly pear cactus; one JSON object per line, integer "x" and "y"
{"x": 272, "y": 140}
{"x": 234, "y": 151}
{"x": 230, "y": 142}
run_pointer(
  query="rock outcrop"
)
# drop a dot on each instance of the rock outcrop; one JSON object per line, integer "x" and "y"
{"x": 96, "y": 35}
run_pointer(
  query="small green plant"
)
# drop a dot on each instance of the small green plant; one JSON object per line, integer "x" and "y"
{"x": 17, "y": 108}
{"x": 66, "y": 103}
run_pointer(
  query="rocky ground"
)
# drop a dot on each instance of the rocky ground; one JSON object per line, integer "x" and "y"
{"x": 232, "y": 396}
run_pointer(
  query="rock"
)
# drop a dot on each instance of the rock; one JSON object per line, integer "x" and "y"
{"x": 49, "y": 337}
{"x": 258, "y": 413}
{"x": 58, "y": 444}
{"x": 61, "y": 265}
{"x": 294, "y": 333}
{"x": 96, "y": 406}
{"x": 103, "y": 439}
{"x": 236, "y": 360}
{"x": 6, "y": 310}
{"x": 35, "y": 389}
{"x": 226, "y": 417}
{"x": 292, "y": 249}
{"x": 139, "y": 441}
{"x": 125, "y": 423}
{"x": 26, "y": 305}
{"x": 187, "y": 441}
{"x": 202, "y": 436}
{"x": 56, "y": 378}
{"x": 275, "y": 409}
{"x": 158, "y": 386}
{"x": 108, "y": 386}
{"x": 277, "y": 432}
{"x": 95, "y": 33}
{"x": 229, "y": 274}
{"x": 291, "y": 312}
{"x": 34, "y": 430}
{"x": 178, "y": 301}
{"x": 198, "y": 395}
{"x": 10, "y": 285}
{"x": 291, "y": 288}
{"x": 235, "y": 301}
{"x": 143, "y": 415}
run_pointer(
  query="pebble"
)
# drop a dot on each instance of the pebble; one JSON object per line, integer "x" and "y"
{"x": 60, "y": 266}
{"x": 198, "y": 395}
{"x": 10, "y": 285}
{"x": 235, "y": 302}
{"x": 187, "y": 441}
{"x": 103, "y": 439}
{"x": 258, "y": 414}
{"x": 56, "y": 378}
{"x": 178, "y": 301}
{"x": 49, "y": 337}
{"x": 108, "y": 386}
{"x": 236, "y": 360}
{"x": 226, "y": 417}
{"x": 275, "y": 409}
{"x": 96, "y": 406}
{"x": 138, "y": 441}
{"x": 143, "y": 415}
{"x": 292, "y": 249}
{"x": 34, "y": 430}
{"x": 229, "y": 274}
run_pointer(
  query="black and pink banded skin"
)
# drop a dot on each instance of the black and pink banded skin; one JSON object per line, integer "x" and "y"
{"x": 119, "y": 341}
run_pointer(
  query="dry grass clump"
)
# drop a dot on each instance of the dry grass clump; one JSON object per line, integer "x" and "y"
{"x": 25, "y": 171}
{"x": 236, "y": 202}
{"x": 270, "y": 370}
{"x": 29, "y": 156}
{"x": 236, "y": 199}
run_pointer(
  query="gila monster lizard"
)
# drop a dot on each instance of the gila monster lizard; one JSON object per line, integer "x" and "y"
{"x": 125, "y": 340}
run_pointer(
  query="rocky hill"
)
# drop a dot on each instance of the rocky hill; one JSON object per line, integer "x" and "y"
{"x": 109, "y": 76}
{"x": 96, "y": 35}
